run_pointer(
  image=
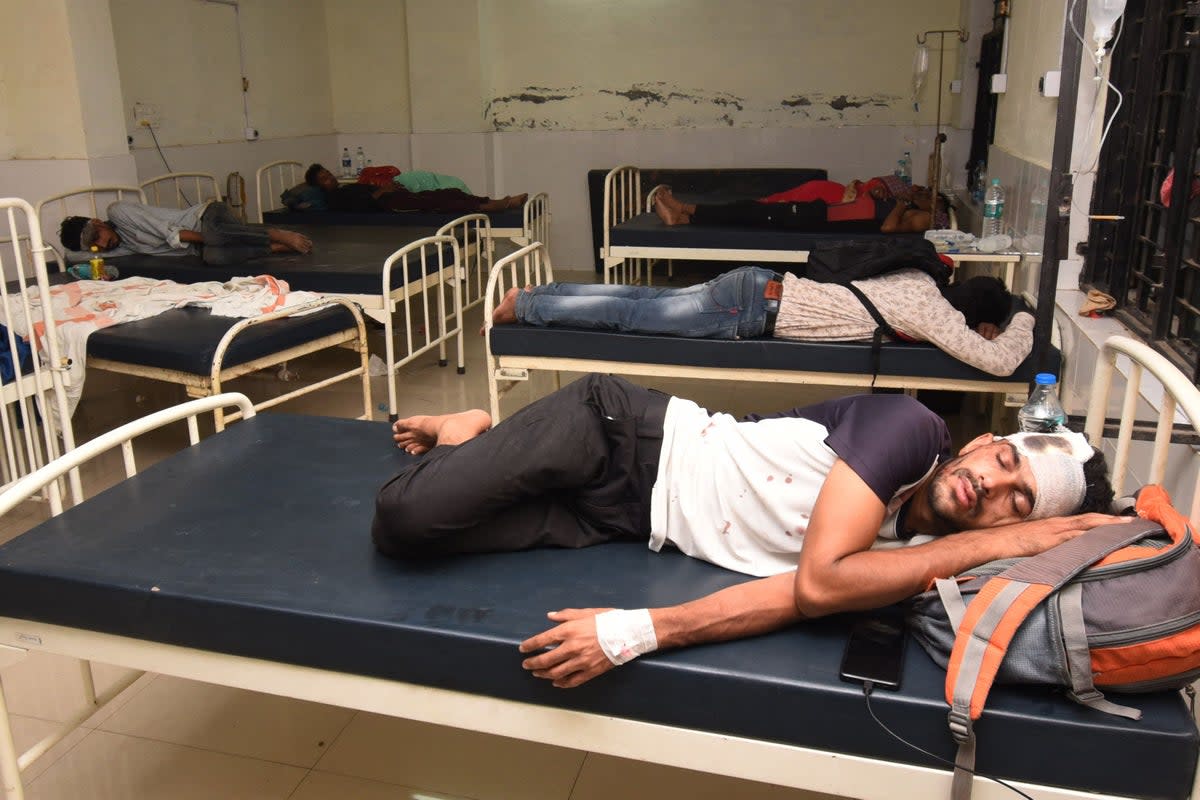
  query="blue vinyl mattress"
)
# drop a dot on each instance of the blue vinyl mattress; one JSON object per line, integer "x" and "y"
{"x": 256, "y": 543}
{"x": 186, "y": 339}
{"x": 510, "y": 218}
{"x": 344, "y": 260}
{"x": 896, "y": 358}
{"x": 647, "y": 230}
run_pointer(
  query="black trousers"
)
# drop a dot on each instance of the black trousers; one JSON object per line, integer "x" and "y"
{"x": 807, "y": 217}
{"x": 573, "y": 469}
{"x": 228, "y": 240}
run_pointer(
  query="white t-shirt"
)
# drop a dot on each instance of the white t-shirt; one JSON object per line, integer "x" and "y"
{"x": 741, "y": 494}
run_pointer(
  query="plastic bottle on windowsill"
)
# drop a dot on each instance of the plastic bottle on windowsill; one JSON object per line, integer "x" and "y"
{"x": 993, "y": 210}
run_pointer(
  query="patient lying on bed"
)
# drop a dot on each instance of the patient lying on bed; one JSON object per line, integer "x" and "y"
{"x": 361, "y": 197}
{"x": 212, "y": 229}
{"x": 872, "y": 207}
{"x": 800, "y": 499}
{"x": 962, "y": 319}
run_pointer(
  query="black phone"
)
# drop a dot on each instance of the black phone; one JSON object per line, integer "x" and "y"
{"x": 875, "y": 652}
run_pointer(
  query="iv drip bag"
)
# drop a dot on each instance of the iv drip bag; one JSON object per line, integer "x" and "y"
{"x": 920, "y": 70}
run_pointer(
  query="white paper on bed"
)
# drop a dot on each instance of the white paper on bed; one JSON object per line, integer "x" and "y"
{"x": 83, "y": 307}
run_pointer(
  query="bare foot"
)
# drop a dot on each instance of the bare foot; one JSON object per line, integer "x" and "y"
{"x": 296, "y": 242}
{"x": 670, "y": 215}
{"x": 506, "y": 312}
{"x": 419, "y": 434}
{"x": 516, "y": 200}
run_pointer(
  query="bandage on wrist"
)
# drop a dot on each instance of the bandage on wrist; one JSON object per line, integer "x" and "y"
{"x": 624, "y": 635}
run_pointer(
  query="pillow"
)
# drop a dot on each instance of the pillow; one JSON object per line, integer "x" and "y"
{"x": 303, "y": 197}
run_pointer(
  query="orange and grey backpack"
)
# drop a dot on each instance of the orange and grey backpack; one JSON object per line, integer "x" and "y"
{"x": 1117, "y": 607}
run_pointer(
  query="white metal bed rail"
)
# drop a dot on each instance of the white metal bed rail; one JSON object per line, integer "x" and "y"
{"x": 1179, "y": 394}
{"x": 529, "y": 266}
{"x": 278, "y": 175}
{"x": 622, "y": 201}
{"x": 37, "y": 399}
{"x": 181, "y": 189}
{"x": 474, "y": 235}
{"x": 423, "y": 266}
{"x": 536, "y": 212}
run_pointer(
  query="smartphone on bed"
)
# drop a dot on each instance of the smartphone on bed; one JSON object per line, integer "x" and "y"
{"x": 875, "y": 652}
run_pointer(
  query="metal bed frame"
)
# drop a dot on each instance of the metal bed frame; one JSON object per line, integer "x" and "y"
{"x": 623, "y": 201}
{"x": 201, "y": 385}
{"x": 800, "y": 767}
{"x": 171, "y": 190}
{"x": 531, "y": 266}
{"x": 35, "y": 424}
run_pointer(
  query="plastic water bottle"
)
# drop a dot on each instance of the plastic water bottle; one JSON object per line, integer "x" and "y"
{"x": 360, "y": 159}
{"x": 993, "y": 209}
{"x": 906, "y": 168}
{"x": 347, "y": 165}
{"x": 1042, "y": 413}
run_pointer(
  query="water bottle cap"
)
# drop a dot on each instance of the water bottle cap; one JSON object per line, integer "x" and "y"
{"x": 995, "y": 181}
{"x": 1045, "y": 378}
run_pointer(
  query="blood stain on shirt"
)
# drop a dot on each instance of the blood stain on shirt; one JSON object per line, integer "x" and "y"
{"x": 788, "y": 479}
{"x": 728, "y": 524}
{"x": 770, "y": 478}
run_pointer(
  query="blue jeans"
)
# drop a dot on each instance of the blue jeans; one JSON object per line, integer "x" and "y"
{"x": 730, "y": 306}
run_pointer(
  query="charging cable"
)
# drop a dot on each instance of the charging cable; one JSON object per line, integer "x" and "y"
{"x": 869, "y": 687}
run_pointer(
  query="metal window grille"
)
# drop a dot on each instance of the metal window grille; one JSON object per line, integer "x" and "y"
{"x": 1148, "y": 256}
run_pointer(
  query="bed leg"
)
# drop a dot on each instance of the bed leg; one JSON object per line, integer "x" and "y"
{"x": 10, "y": 770}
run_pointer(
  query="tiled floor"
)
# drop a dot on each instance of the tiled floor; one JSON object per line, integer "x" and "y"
{"x": 174, "y": 739}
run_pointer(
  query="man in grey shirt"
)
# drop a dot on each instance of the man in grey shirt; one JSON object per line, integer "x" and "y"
{"x": 210, "y": 229}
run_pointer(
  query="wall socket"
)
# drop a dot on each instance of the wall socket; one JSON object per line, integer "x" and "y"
{"x": 251, "y": 134}
{"x": 147, "y": 115}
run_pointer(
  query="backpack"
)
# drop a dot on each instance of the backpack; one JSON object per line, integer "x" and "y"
{"x": 1117, "y": 607}
{"x": 855, "y": 261}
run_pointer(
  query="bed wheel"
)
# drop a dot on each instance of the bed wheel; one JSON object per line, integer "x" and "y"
{"x": 461, "y": 370}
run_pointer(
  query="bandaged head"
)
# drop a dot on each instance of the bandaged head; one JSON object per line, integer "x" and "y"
{"x": 1056, "y": 460}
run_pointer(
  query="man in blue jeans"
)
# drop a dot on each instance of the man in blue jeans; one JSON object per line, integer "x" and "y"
{"x": 966, "y": 320}
{"x": 210, "y": 229}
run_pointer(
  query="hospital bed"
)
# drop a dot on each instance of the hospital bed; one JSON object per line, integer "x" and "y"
{"x": 422, "y": 272}
{"x": 201, "y": 352}
{"x": 529, "y": 224}
{"x": 633, "y": 237}
{"x": 514, "y": 351}
{"x": 172, "y": 583}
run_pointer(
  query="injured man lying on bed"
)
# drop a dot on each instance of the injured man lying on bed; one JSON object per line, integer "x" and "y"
{"x": 210, "y": 228}
{"x": 799, "y": 499}
{"x": 962, "y": 319}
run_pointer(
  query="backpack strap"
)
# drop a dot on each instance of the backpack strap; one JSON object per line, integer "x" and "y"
{"x": 993, "y": 617}
{"x": 1079, "y": 657}
{"x": 881, "y": 329}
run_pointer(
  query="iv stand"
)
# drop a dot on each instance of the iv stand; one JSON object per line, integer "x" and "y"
{"x": 938, "y": 137}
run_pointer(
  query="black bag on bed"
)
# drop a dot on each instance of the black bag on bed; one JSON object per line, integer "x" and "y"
{"x": 854, "y": 261}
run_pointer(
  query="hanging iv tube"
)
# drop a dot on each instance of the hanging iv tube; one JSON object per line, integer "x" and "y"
{"x": 937, "y": 139}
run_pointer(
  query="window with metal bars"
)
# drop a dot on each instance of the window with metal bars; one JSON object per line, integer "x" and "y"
{"x": 1144, "y": 236}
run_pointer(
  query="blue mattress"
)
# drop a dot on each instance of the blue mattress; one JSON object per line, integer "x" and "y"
{"x": 896, "y": 358}
{"x": 256, "y": 543}
{"x": 344, "y": 260}
{"x": 647, "y": 230}
{"x": 186, "y": 339}
{"x": 512, "y": 218}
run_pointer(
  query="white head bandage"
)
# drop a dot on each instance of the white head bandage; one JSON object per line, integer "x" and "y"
{"x": 1056, "y": 460}
{"x": 625, "y": 635}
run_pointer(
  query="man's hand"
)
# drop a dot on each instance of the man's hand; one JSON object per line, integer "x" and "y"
{"x": 575, "y": 657}
{"x": 988, "y": 330}
{"x": 1038, "y": 536}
